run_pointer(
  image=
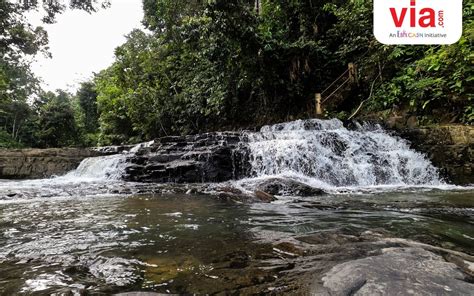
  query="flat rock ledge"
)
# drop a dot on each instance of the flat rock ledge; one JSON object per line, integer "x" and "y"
{"x": 397, "y": 271}
{"x": 41, "y": 163}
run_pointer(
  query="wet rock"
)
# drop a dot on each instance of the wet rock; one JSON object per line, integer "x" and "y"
{"x": 109, "y": 150}
{"x": 239, "y": 198}
{"x": 288, "y": 249}
{"x": 277, "y": 186}
{"x": 333, "y": 237}
{"x": 226, "y": 192}
{"x": 449, "y": 147}
{"x": 230, "y": 189}
{"x": 238, "y": 259}
{"x": 161, "y": 269}
{"x": 412, "y": 122}
{"x": 396, "y": 271}
{"x": 41, "y": 163}
{"x": 264, "y": 196}
{"x": 143, "y": 294}
{"x": 211, "y": 157}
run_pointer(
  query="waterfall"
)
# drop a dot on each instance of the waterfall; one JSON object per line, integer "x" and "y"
{"x": 328, "y": 154}
{"x": 100, "y": 168}
{"x": 140, "y": 146}
{"x": 110, "y": 167}
{"x": 320, "y": 153}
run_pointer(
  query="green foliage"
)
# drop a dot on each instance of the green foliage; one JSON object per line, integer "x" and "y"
{"x": 166, "y": 15}
{"x": 27, "y": 123}
{"x": 6, "y": 141}
{"x": 17, "y": 82}
{"x": 88, "y": 114}
{"x": 115, "y": 125}
{"x": 218, "y": 64}
{"x": 57, "y": 123}
{"x": 433, "y": 81}
{"x": 215, "y": 64}
{"x": 441, "y": 79}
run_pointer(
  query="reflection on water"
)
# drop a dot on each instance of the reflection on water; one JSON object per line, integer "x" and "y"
{"x": 97, "y": 244}
{"x": 439, "y": 217}
{"x": 179, "y": 244}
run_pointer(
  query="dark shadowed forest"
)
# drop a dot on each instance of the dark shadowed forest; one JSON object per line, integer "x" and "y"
{"x": 215, "y": 65}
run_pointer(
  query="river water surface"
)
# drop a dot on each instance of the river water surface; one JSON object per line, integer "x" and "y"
{"x": 89, "y": 233}
{"x": 198, "y": 244}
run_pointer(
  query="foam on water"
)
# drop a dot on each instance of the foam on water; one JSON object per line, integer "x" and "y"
{"x": 103, "y": 168}
{"x": 320, "y": 153}
{"x": 325, "y": 154}
{"x": 95, "y": 175}
{"x": 99, "y": 168}
{"x": 141, "y": 145}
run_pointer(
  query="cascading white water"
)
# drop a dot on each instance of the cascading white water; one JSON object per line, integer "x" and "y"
{"x": 100, "y": 168}
{"x": 140, "y": 146}
{"x": 93, "y": 176}
{"x": 328, "y": 154}
{"x": 104, "y": 167}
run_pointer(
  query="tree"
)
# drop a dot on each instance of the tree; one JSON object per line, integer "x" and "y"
{"x": 87, "y": 97}
{"x": 54, "y": 7}
{"x": 115, "y": 125}
{"x": 18, "y": 43}
{"x": 57, "y": 124}
{"x": 431, "y": 82}
{"x": 218, "y": 64}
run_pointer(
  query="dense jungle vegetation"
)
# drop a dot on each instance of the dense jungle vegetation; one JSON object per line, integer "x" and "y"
{"x": 214, "y": 65}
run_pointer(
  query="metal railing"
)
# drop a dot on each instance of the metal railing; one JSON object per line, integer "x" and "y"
{"x": 348, "y": 77}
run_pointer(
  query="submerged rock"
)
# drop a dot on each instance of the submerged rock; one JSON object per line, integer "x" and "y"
{"x": 143, "y": 294}
{"x": 397, "y": 271}
{"x": 264, "y": 196}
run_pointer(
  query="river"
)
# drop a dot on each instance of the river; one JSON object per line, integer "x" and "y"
{"x": 90, "y": 233}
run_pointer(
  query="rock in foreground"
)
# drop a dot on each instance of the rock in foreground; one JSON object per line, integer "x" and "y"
{"x": 397, "y": 271}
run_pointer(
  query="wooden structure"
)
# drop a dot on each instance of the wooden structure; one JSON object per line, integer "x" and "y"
{"x": 349, "y": 77}
{"x": 258, "y": 7}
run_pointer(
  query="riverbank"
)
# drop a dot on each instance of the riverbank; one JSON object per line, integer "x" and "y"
{"x": 41, "y": 163}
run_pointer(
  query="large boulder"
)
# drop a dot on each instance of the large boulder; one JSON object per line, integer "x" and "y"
{"x": 397, "y": 271}
{"x": 210, "y": 157}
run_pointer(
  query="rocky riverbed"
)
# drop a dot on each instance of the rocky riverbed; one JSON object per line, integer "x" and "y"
{"x": 418, "y": 241}
{"x": 301, "y": 208}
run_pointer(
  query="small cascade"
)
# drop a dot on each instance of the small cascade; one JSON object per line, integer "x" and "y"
{"x": 137, "y": 147}
{"x": 110, "y": 167}
{"x": 100, "y": 168}
{"x": 325, "y": 153}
